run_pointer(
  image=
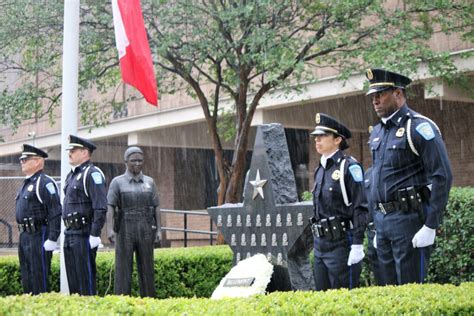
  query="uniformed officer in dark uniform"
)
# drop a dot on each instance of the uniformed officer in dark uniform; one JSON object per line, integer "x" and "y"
{"x": 84, "y": 209}
{"x": 371, "y": 251}
{"x": 340, "y": 208}
{"x": 133, "y": 201}
{"x": 411, "y": 180}
{"x": 38, "y": 214}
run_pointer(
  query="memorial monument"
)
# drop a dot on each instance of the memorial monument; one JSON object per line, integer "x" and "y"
{"x": 271, "y": 221}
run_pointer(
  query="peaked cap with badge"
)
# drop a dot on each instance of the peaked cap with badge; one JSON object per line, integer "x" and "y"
{"x": 78, "y": 142}
{"x": 326, "y": 124}
{"x": 29, "y": 150}
{"x": 380, "y": 80}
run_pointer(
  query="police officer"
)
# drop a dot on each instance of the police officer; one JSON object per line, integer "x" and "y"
{"x": 84, "y": 208}
{"x": 38, "y": 214}
{"x": 340, "y": 208}
{"x": 133, "y": 201}
{"x": 371, "y": 251}
{"x": 411, "y": 180}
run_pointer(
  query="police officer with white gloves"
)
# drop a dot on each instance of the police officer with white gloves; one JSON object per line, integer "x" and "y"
{"x": 84, "y": 212}
{"x": 38, "y": 214}
{"x": 411, "y": 177}
{"x": 340, "y": 208}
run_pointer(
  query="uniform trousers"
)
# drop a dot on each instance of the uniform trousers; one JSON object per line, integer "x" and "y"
{"x": 373, "y": 258}
{"x": 35, "y": 262}
{"x": 399, "y": 262}
{"x": 80, "y": 262}
{"x": 330, "y": 264}
{"x": 135, "y": 235}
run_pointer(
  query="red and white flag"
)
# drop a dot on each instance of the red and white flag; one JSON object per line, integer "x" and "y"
{"x": 134, "y": 51}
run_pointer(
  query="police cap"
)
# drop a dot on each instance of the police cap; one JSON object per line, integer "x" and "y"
{"x": 29, "y": 150}
{"x": 380, "y": 79}
{"x": 326, "y": 124}
{"x": 77, "y": 142}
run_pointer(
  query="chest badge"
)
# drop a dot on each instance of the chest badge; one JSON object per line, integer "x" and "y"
{"x": 79, "y": 176}
{"x": 30, "y": 188}
{"x": 336, "y": 175}
{"x": 400, "y": 132}
{"x": 146, "y": 186}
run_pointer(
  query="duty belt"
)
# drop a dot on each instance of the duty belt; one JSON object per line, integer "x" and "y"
{"x": 408, "y": 200}
{"x": 331, "y": 227}
{"x": 31, "y": 225}
{"x": 76, "y": 221}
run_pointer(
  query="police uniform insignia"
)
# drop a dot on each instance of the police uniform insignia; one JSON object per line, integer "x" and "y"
{"x": 369, "y": 74}
{"x": 336, "y": 175}
{"x": 370, "y": 129}
{"x": 30, "y": 188}
{"x": 356, "y": 173}
{"x": 97, "y": 177}
{"x": 79, "y": 176}
{"x": 318, "y": 118}
{"x": 51, "y": 188}
{"x": 400, "y": 132}
{"x": 425, "y": 130}
{"x": 146, "y": 186}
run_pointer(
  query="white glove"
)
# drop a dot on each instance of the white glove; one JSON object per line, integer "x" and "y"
{"x": 94, "y": 241}
{"x": 424, "y": 237}
{"x": 50, "y": 245}
{"x": 375, "y": 241}
{"x": 356, "y": 254}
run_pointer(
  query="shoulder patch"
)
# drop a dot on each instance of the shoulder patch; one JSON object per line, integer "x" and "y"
{"x": 356, "y": 173}
{"x": 97, "y": 177}
{"x": 425, "y": 130}
{"x": 51, "y": 188}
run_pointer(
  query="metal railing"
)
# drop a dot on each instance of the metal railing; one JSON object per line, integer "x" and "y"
{"x": 185, "y": 229}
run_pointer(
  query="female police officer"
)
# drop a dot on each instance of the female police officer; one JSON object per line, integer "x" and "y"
{"x": 340, "y": 208}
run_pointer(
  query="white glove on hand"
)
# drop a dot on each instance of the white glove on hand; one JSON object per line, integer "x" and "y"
{"x": 375, "y": 241}
{"x": 424, "y": 237}
{"x": 94, "y": 241}
{"x": 356, "y": 254}
{"x": 50, "y": 245}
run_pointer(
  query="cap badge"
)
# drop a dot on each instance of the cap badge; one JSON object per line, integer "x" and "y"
{"x": 369, "y": 74}
{"x": 336, "y": 175}
{"x": 400, "y": 132}
{"x": 318, "y": 118}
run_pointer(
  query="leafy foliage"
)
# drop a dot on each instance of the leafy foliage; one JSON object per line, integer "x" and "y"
{"x": 428, "y": 299}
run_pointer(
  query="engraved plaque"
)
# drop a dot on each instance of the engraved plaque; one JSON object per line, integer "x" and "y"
{"x": 299, "y": 221}
{"x": 253, "y": 241}
{"x": 243, "y": 242}
{"x": 268, "y": 221}
{"x": 279, "y": 259}
{"x": 278, "y": 220}
{"x": 239, "y": 221}
{"x": 237, "y": 256}
{"x": 284, "y": 240}
{"x": 274, "y": 240}
{"x": 248, "y": 221}
{"x": 258, "y": 221}
{"x": 219, "y": 221}
{"x": 232, "y": 240}
{"x": 288, "y": 220}
{"x": 229, "y": 220}
{"x": 263, "y": 241}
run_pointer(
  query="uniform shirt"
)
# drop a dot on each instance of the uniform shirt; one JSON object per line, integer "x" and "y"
{"x": 38, "y": 198}
{"x": 327, "y": 193}
{"x": 396, "y": 167}
{"x": 92, "y": 204}
{"x": 130, "y": 193}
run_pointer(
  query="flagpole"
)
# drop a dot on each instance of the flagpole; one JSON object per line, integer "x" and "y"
{"x": 69, "y": 104}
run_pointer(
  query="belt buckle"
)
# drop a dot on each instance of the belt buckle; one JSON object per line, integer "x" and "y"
{"x": 382, "y": 209}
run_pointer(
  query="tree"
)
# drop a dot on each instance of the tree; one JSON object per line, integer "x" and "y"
{"x": 243, "y": 50}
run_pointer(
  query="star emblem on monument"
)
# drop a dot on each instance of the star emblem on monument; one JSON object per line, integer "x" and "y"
{"x": 258, "y": 186}
{"x": 277, "y": 225}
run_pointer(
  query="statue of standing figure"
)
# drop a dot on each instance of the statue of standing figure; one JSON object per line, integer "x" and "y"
{"x": 134, "y": 205}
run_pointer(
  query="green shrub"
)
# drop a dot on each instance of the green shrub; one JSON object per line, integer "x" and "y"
{"x": 427, "y": 299}
{"x": 179, "y": 272}
{"x": 452, "y": 257}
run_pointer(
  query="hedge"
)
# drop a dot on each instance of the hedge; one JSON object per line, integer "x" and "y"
{"x": 427, "y": 299}
{"x": 179, "y": 272}
{"x": 195, "y": 272}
